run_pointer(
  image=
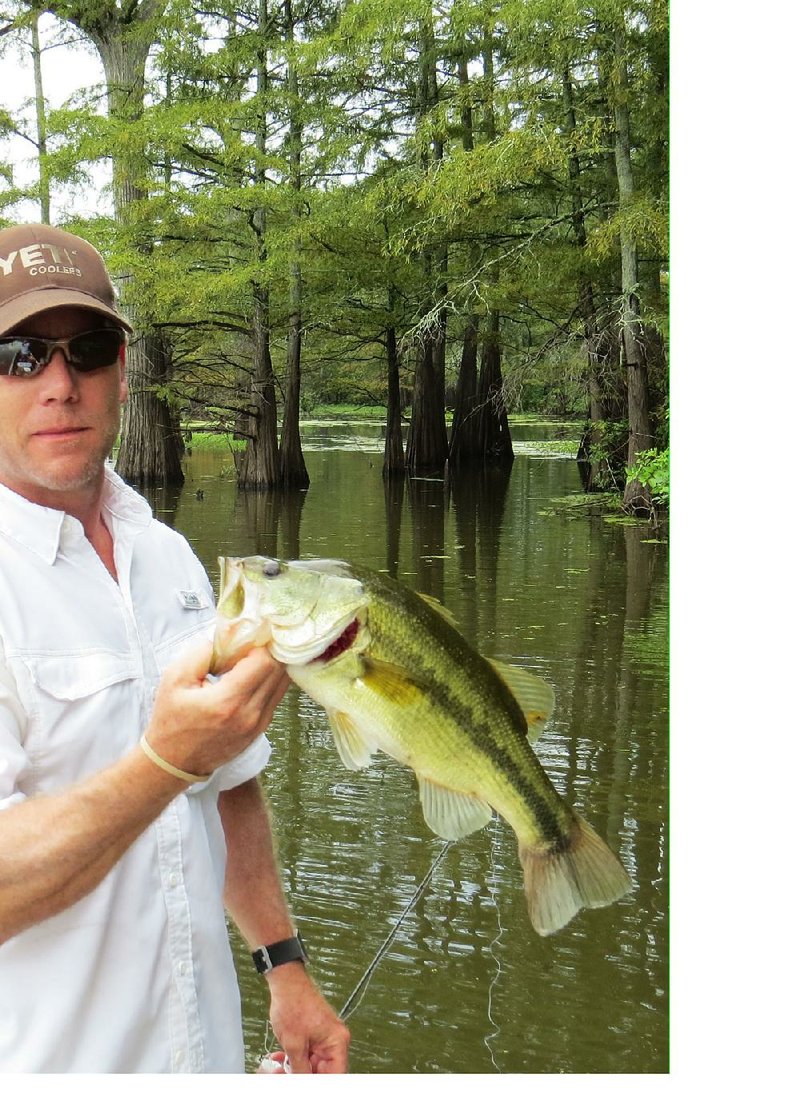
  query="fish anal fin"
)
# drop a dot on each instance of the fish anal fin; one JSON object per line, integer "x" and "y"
{"x": 389, "y": 681}
{"x": 558, "y": 884}
{"x": 450, "y": 813}
{"x": 534, "y": 696}
{"x": 355, "y": 752}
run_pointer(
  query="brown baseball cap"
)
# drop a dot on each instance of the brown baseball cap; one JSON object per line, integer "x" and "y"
{"x": 44, "y": 268}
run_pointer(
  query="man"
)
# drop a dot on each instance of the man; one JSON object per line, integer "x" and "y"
{"x": 130, "y": 810}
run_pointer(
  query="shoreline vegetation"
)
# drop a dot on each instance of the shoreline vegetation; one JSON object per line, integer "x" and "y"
{"x": 609, "y": 503}
{"x": 458, "y": 211}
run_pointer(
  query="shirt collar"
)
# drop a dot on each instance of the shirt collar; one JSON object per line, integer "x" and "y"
{"x": 40, "y": 529}
{"x": 122, "y": 502}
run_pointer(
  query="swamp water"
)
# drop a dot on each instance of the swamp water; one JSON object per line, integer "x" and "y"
{"x": 466, "y": 986}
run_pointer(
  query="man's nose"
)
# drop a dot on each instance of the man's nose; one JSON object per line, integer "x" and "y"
{"x": 57, "y": 380}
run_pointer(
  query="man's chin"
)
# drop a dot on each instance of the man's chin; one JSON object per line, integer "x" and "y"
{"x": 65, "y": 476}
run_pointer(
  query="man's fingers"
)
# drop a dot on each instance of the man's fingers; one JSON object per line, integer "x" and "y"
{"x": 192, "y": 667}
{"x": 297, "y": 1060}
{"x": 255, "y": 670}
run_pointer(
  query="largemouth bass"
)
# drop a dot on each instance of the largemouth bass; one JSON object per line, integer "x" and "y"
{"x": 393, "y": 673}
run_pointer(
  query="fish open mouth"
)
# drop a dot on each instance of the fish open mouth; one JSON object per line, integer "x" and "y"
{"x": 341, "y": 644}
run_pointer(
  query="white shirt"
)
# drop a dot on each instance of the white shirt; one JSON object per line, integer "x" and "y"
{"x": 138, "y": 975}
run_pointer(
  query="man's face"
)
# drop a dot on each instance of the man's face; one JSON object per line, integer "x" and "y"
{"x": 57, "y": 428}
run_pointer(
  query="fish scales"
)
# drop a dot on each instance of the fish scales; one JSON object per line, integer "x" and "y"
{"x": 505, "y": 744}
{"x": 394, "y": 674}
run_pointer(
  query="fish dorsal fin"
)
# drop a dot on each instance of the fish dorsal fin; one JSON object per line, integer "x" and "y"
{"x": 389, "y": 681}
{"x": 449, "y": 813}
{"x": 354, "y": 750}
{"x": 534, "y": 695}
{"x": 437, "y": 606}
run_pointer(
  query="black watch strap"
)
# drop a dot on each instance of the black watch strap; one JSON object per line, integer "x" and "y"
{"x": 266, "y": 958}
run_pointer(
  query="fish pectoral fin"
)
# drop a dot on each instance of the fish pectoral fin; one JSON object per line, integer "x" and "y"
{"x": 534, "y": 695}
{"x": 450, "y": 813}
{"x": 355, "y": 752}
{"x": 389, "y": 681}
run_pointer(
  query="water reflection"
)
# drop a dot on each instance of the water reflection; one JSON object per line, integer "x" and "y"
{"x": 478, "y": 498}
{"x": 466, "y": 986}
{"x": 273, "y": 521}
{"x": 393, "y": 493}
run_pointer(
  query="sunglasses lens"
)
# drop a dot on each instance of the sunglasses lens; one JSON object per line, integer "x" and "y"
{"x": 98, "y": 349}
{"x": 27, "y": 356}
{"x": 22, "y": 356}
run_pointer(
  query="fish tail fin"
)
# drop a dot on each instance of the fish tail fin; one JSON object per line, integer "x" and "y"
{"x": 559, "y": 883}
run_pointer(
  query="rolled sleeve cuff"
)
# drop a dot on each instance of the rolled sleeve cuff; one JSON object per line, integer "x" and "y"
{"x": 250, "y": 763}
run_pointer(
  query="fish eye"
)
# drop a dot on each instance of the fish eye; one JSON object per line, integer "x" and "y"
{"x": 271, "y": 569}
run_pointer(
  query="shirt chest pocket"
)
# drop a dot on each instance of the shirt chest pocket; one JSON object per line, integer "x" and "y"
{"x": 83, "y": 710}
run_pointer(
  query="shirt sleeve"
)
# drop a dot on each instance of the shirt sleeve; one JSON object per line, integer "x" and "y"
{"x": 246, "y": 765}
{"x": 14, "y": 763}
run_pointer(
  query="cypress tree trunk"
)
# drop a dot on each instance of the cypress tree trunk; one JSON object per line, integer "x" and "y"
{"x": 636, "y": 498}
{"x": 464, "y": 444}
{"x": 151, "y": 446}
{"x": 292, "y": 466}
{"x": 393, "y": 461}
{"x": 41, "y": 124}
{"x": 293, "y": 473}
{"x": 464, "y": 427}
{"x": 494, "y": 435}
{"x": 594, "y": 473}
{"x": 426, "y": 450}
{"x": 259, "y": 466}
{"x": 149, "y": 440}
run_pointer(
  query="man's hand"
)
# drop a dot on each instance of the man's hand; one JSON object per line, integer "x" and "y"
{"x": 198, "y": 724}
{"x": 313, "y": 1037}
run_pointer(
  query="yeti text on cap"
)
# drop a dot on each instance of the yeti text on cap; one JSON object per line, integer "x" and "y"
{"x": 33, "y": 259}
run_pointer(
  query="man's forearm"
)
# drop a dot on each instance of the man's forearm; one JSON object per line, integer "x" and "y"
{"x": 253, "y": 890}
{"x": 313, "y": 1037}
{"x": 55, "y": 849}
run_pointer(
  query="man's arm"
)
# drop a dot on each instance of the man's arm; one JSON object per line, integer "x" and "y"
{"x": 313, "y": 1037}
{"x": 55, "y": 848}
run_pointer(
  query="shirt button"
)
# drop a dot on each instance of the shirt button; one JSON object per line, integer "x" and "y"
{"x": 183, "y": 968}
{"x": 178, "y": 1057}
{"x": 173, "y": 879}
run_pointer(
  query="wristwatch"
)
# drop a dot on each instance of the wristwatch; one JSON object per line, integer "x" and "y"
{"x": 268, "y": 957}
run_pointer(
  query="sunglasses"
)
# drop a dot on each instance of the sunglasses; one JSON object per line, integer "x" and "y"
{"x": 86, "y": 352}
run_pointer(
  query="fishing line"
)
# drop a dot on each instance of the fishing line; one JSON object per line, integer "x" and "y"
{"x": 356, "y": 996}
{"x": 500, "y": 931}
{"x": 359, "y": 990}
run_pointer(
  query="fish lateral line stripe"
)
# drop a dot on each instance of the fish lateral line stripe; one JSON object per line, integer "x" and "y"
{"x": 446, "y": 692}
{"x": 483, "y": 729}
{"x": 389, "y": 642}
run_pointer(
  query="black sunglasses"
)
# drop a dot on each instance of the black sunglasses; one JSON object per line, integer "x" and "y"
{"x": 86, "y": 352}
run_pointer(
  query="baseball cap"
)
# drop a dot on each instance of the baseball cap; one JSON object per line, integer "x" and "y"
{"x": 44, "y": 268}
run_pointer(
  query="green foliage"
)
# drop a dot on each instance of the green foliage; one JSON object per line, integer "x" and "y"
{"x": 652, "y": 470}
{"x": 455, "y": 191}
{"x": 605, "y": 445}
